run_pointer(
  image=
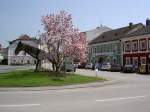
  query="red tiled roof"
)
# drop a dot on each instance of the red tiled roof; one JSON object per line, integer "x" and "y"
{"x": 24, "y": 37}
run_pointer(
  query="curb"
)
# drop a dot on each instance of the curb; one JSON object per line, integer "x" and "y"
{"x": 89, "y": 85}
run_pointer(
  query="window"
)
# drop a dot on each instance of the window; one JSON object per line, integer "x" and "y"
{"x": 108, "y": 47}
{"x": 149, "y": 43}
{"x": 127, "y": 60}
{"x": 143, "y": 60}
{"x": 116, "y": 34}
{"x": 90, "y": 50}
{"x": 100, "y": 49}
{"x": 14, "y": 61}
{"x": 95, "y": 50}
{"x": 143, "y": 44}
{"x": 134, "y": 45}
{"x": 127, "y": 46}
{"x": 28, "y": 61}
{"x": 135, "y": 61}
{"x": 34, "y": 61}
{"x": 114, "y": 48}
{"x": 104, "y": 48}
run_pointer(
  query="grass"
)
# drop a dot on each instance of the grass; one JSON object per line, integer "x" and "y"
{"x": 28, "y": 78}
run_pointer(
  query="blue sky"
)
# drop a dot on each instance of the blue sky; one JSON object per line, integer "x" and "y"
{"x": 24, "y": 16}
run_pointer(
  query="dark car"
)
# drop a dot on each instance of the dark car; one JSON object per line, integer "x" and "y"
{"x": 82, "y": 65}
{"x": 116, "y": 67}
{"x": 130, "y": 68}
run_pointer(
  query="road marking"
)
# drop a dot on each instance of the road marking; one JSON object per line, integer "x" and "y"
{"x": 21, "y": 105}
{"x": 116, "y": 99}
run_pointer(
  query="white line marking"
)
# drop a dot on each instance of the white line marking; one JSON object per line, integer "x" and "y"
{"x": 116, "y": 99}
{"x": 21, "y": 105}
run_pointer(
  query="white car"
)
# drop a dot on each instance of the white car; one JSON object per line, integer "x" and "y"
{"x": 76, "y": 64}
{"x": 106, "y": 66}
{"x": 89, "y": 66}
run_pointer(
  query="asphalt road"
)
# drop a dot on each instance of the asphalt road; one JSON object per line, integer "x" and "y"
{"x": 131, "y": 95}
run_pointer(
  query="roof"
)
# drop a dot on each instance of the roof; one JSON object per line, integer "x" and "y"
{"x": 25, "y": 38}
{"x": 142, "y": 31}
{"x": 116, "y": 34}
{"x": 92, "y": 34}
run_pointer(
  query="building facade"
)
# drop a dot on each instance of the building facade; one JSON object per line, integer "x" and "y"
{"x": 22, "y": 58}
{"x": 136, "y": 47}
{"x": 91, "y": 35}
{"x": 3, "y": 56}
{"x": 107, "y": 46}
{"x": 106, "y": 51}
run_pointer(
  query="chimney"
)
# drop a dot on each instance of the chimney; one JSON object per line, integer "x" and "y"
{"x": 130, "y": 25}
{"x": 147, "y": 22}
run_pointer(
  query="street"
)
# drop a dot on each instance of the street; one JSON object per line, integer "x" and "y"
{"x": 131, "y": 95}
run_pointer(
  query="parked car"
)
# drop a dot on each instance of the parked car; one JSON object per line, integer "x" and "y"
{"x": 130, "y": 68}
{"x": 116, "y": 67}
{"x": 106, "y": 66}
{"x": 89, "y": 66}
{"x": 82, "y": 65}
{"x": 68, "y": 65}
{"x": 143, "y": 69}
{"x": 76, "y": 64}
{"x": 68, "y": 69}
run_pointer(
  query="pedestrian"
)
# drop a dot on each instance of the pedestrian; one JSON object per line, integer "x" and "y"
{"x": 96, "y": 69}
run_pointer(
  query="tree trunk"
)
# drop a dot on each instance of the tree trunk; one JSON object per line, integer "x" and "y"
{"x": 53, "y": 65}
{"x": 37, "y": 66}
{"x": 57, "y": 68}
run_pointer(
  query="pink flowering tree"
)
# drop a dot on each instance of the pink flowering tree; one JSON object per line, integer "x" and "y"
{"x": 62, "y": 39}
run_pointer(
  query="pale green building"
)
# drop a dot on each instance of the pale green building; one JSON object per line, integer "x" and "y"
{"x": 107, "y": 46}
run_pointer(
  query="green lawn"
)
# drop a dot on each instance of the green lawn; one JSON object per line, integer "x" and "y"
{"x": 33, "y": 79}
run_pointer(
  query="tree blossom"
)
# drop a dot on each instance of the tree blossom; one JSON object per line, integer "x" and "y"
{"x": 62, "y": 39}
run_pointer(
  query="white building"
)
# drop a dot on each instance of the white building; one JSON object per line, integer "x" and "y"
{"x": 3, "y": 55}
{"x": 93, "y": 33}
{"x": 22, "y": 58}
